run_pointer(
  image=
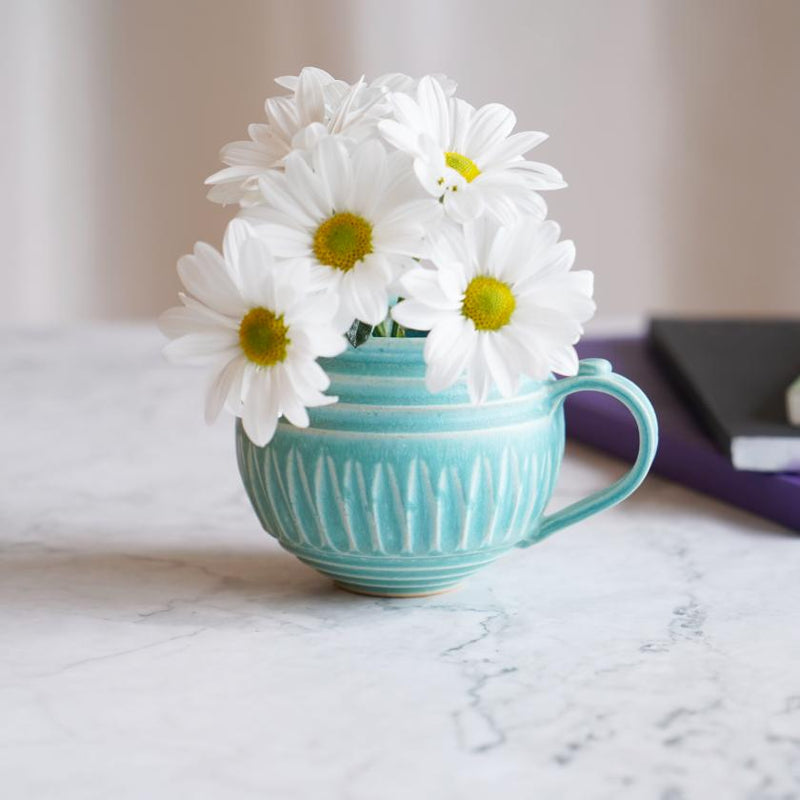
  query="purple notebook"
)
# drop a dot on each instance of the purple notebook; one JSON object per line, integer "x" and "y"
{"x": 685, "y": 453}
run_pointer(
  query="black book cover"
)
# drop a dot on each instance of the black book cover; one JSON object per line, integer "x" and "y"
{"x": 735, "y": 374}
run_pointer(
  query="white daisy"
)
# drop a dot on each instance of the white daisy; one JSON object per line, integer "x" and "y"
{"x": 319, "y": 105}
{"x": 467, "y": 157}
{"x": 501, "y": 303}
{"x": 260, "y": 326}
{"x": 352, "y": 212}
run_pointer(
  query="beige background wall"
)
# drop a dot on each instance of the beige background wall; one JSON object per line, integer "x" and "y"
{"x": 676, "y": 123}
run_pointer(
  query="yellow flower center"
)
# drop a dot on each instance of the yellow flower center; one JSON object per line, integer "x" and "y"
{"x": 342, "y": 241}
{"x": 262, "y": 336}
{"x": 464, "y": 166}
{"x": 489, "y": 303}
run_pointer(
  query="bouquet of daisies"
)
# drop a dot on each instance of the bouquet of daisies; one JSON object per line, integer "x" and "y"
{"x": 368, "y": 210}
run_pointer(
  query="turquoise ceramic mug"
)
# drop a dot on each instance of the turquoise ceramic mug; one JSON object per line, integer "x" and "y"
{"x": 398, "y": 492}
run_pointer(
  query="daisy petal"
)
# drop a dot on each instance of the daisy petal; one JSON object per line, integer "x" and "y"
{"x": 280, "y": 196}
{"x": 369, "y": 166}
{"x": 464, "y": 206}
{"x": 446, "y": 337}
{"x": 399, "y": 136}
{"x": 489, "y": 127}
{"x": 236, "y": 233}
{"x": 434, "y": 107}
{"x": 540, "y": 176}
{"x": 221, "y": 387}
{"x": 304, "y": 182}
{"x": 415, "y": 315}
{"x": 256, "y": 156}
{"x": 207, "y": 277}
{"x": 285, "y": 240}
{"x": 255, "y": 262}
{"x": 564, "y": 361}
{"x": 333, "y": 166}
{"x": 442, "y": 374}
{"x": 503, "y": 373}
{"x": 290, "y": 405}
{"x": 260, "y": 412}
{"x": 199, "y": 348}
{"x": 310, "y": 96}
{"x": 478, "y": 378}
{"x": 180, "y": 321}
{"x": 511, "y": 148}
{"x": 237, "y": 173}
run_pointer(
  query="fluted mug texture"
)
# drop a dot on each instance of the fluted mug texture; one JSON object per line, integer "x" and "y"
{"x": 395, "y": 491}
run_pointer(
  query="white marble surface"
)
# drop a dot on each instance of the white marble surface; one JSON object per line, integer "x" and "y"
{"x": 155, "y": 643}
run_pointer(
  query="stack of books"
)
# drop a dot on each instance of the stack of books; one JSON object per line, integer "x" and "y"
{"x": 719, "y": 388}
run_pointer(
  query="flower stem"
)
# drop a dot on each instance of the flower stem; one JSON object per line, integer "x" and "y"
{"x": 383, "y": 329}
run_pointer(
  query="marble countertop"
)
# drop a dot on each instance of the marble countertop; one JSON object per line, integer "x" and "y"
{"x": 155, "y": 643}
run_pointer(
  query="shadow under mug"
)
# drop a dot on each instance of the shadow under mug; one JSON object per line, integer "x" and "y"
{"x": 397, "y": 492}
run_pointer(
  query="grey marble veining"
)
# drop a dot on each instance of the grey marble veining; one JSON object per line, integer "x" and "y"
{"x": 154, "y": 642}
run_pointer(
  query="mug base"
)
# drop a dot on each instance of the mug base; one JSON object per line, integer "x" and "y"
{"x": 396, "y": 575}
{"x": 371, "y": 591}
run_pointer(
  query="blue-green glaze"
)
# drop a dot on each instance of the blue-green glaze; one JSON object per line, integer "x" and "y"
{"x": 396, "y": 491}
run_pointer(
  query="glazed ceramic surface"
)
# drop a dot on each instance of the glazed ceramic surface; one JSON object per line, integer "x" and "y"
{"x": 396, "y": 491}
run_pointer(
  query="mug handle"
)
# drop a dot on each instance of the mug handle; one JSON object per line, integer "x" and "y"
{"x": 595, "y": 375}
